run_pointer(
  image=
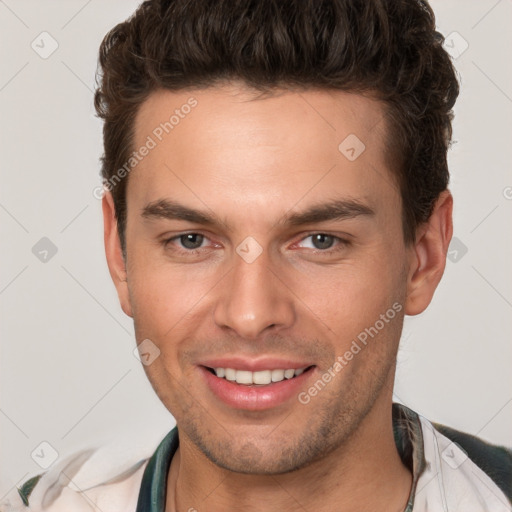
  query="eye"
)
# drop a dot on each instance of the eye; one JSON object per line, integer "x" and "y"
{"x": 323, "y": 242}
{"x": 186, "y": 243}
{"x": 191, "y": 240}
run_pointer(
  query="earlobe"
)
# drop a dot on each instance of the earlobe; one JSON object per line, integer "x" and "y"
{"x": 115, "y": 260}
{"x": 428, "y": 255}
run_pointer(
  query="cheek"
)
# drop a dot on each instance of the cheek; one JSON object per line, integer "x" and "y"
{"x": 349, "y": 297}
{"x": 162, "y": 298}
{"x": 170, "y": 303}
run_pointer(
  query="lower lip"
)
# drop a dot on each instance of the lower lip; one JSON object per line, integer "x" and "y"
{"x": 255, "y": 398}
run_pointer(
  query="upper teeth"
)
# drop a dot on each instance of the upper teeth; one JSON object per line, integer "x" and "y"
{"x": 262, "y": 377}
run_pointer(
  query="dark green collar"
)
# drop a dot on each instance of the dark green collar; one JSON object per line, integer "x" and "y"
{"x": 153, "y": 487}
{"x": 408, "y": 438}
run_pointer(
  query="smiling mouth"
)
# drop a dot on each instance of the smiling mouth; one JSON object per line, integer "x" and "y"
{"x": 259, "y": 378}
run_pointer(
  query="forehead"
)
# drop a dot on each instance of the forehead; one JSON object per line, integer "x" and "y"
{"x": 227, "y": 146}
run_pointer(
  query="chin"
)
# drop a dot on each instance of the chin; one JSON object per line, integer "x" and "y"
{"x": 270, "y": 455}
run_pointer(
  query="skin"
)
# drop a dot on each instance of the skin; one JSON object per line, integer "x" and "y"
{"x": 252, "y": 161}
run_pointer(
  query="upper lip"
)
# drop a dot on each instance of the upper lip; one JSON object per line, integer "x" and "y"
{"x": 255, "y": 365}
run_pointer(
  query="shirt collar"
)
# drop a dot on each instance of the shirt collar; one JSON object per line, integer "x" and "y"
{"x": 406, "y": 429}
{"x": 152, "y": 494}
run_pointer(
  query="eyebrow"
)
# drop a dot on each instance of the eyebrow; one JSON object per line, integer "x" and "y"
{"x": 172, "y": 210}
{"x": 339, "y": 209}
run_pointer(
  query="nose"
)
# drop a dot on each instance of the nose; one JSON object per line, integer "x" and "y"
{"x": 253, "y": 300}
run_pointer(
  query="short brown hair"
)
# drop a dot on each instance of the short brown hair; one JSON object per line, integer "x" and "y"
{"x": 387, "y": 48}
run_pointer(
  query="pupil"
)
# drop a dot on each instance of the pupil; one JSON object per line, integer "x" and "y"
{"x": 322, "y": 241}
{"x": 192, "y": 240}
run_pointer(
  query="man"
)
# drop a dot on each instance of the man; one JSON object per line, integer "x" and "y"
{"x": 276, "y": 202}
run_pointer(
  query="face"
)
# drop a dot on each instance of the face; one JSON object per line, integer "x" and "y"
{"x": 257, "y": 241}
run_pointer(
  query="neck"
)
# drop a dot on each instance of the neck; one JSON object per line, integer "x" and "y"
{"x": 365, "y": 473}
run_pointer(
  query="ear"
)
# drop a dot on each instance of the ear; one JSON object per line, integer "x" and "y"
{"x": 115, "y": 259}
{"x": 427, "y": 257}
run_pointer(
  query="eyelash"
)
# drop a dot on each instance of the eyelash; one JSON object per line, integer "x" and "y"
{"x": 340, "y": 244}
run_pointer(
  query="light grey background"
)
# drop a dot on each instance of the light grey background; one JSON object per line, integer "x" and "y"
{"x": 68, "y": 373}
